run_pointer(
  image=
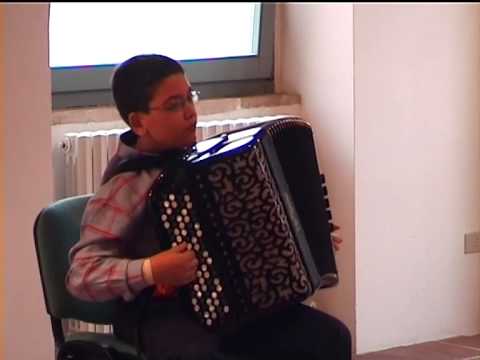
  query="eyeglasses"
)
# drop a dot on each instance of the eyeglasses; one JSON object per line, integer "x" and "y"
{"x": 177, "y": 103}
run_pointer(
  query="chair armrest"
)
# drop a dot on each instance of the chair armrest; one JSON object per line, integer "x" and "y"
{"x": 116, "y": 348}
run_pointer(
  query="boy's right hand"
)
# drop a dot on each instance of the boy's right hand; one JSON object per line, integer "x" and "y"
{"x": 175, "y": 267}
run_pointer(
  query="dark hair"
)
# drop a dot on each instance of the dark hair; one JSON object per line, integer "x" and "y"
{"x": 135, "y": 80}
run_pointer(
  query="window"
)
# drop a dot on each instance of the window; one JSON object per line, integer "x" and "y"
{"x": 226, "y": 48}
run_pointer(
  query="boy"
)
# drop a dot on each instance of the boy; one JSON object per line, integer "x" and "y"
{"x": 119, "y": 257}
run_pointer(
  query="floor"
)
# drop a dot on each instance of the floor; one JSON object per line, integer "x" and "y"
{"x": 458, "y": 348}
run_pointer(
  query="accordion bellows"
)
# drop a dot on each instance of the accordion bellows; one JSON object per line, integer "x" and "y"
{"x": 253, "y": 206}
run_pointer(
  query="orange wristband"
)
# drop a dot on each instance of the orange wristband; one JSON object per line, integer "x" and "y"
{"x": 164, "y": 291}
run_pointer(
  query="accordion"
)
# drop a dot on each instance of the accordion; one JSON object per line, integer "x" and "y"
{"x": 253, "y": 206}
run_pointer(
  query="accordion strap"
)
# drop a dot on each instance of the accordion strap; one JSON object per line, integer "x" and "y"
{"x": 165, "y": 159}
{"x": 146, "y": 162}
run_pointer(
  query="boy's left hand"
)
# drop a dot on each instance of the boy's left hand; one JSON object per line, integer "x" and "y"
{"x": 336, "y": 239}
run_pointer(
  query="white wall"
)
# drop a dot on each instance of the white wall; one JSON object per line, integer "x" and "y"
{"x": 2, "y": 185}
{"x": 417, "y": 102}
{"x": 413, "y": 74}
{"x": 28, "y": 176}
{"x": 314, "y": 59}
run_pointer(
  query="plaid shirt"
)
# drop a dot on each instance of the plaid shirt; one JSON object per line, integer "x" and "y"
{"x": 101, "y": 265}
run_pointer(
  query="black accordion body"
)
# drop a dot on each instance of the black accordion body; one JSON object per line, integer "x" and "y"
{"x": 253, "y": 206}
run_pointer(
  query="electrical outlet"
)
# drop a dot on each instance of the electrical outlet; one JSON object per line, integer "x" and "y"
{"x": 472, "y": 242}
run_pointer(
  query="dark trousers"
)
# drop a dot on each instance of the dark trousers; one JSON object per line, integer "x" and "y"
{"x": 299, "y": 332}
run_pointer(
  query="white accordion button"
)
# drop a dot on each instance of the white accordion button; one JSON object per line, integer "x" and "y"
{"x": 209, "y": 322}
{"x": 166, "y": 224}
{"x": 166, "y": 204}
{"x": 226, "y": 309}
{"x": 171, "y": 197}
{"x": 184, "y": 212}
{"x": 209, "y": 261}
{"x": 164, "y": 217}
{"x": 186, "y": 197}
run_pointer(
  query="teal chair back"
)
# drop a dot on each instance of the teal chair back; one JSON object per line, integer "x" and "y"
{"x": 56, "y": 230}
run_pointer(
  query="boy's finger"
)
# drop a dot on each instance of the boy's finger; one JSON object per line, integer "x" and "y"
{"x": 191, "y": 257}
{"x": 179, "y": 248}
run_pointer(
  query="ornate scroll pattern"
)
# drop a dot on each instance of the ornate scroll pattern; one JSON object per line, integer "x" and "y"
{"x": 256, "y": 224}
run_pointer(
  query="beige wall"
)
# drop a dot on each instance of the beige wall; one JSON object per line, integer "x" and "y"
{"x": 417, "y": 78}
{"x": 28, "y": 176}
{"x": 315, "y": 55}
{"x": 393, "y": 92}
{"x": 2, "y": 183}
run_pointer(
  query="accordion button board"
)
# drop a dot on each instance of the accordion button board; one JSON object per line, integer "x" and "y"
{"x": 206, "y": 290}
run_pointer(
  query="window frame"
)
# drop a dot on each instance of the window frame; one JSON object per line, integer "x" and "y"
{"x": 223, "y": 77}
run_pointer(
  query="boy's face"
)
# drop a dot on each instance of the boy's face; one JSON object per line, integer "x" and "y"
{"x": 171, "y": 121}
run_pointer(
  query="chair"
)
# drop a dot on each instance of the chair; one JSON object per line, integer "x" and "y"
{"x": 56, "y": 230}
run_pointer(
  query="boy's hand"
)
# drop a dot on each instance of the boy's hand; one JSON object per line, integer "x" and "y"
{"x": 175, "y": 267}
{"x": 336, "y": 239}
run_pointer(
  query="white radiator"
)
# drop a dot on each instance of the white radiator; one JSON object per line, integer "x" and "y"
{"x": 87, "y": 154}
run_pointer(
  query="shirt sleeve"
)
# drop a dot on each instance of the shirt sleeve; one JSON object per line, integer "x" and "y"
{"x": 98, "y": 269}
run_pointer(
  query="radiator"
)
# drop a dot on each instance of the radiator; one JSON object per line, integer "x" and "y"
{"x": 86, "y": 154}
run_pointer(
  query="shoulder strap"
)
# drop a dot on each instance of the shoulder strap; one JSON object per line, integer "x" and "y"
{"x": 146, "y": 162}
